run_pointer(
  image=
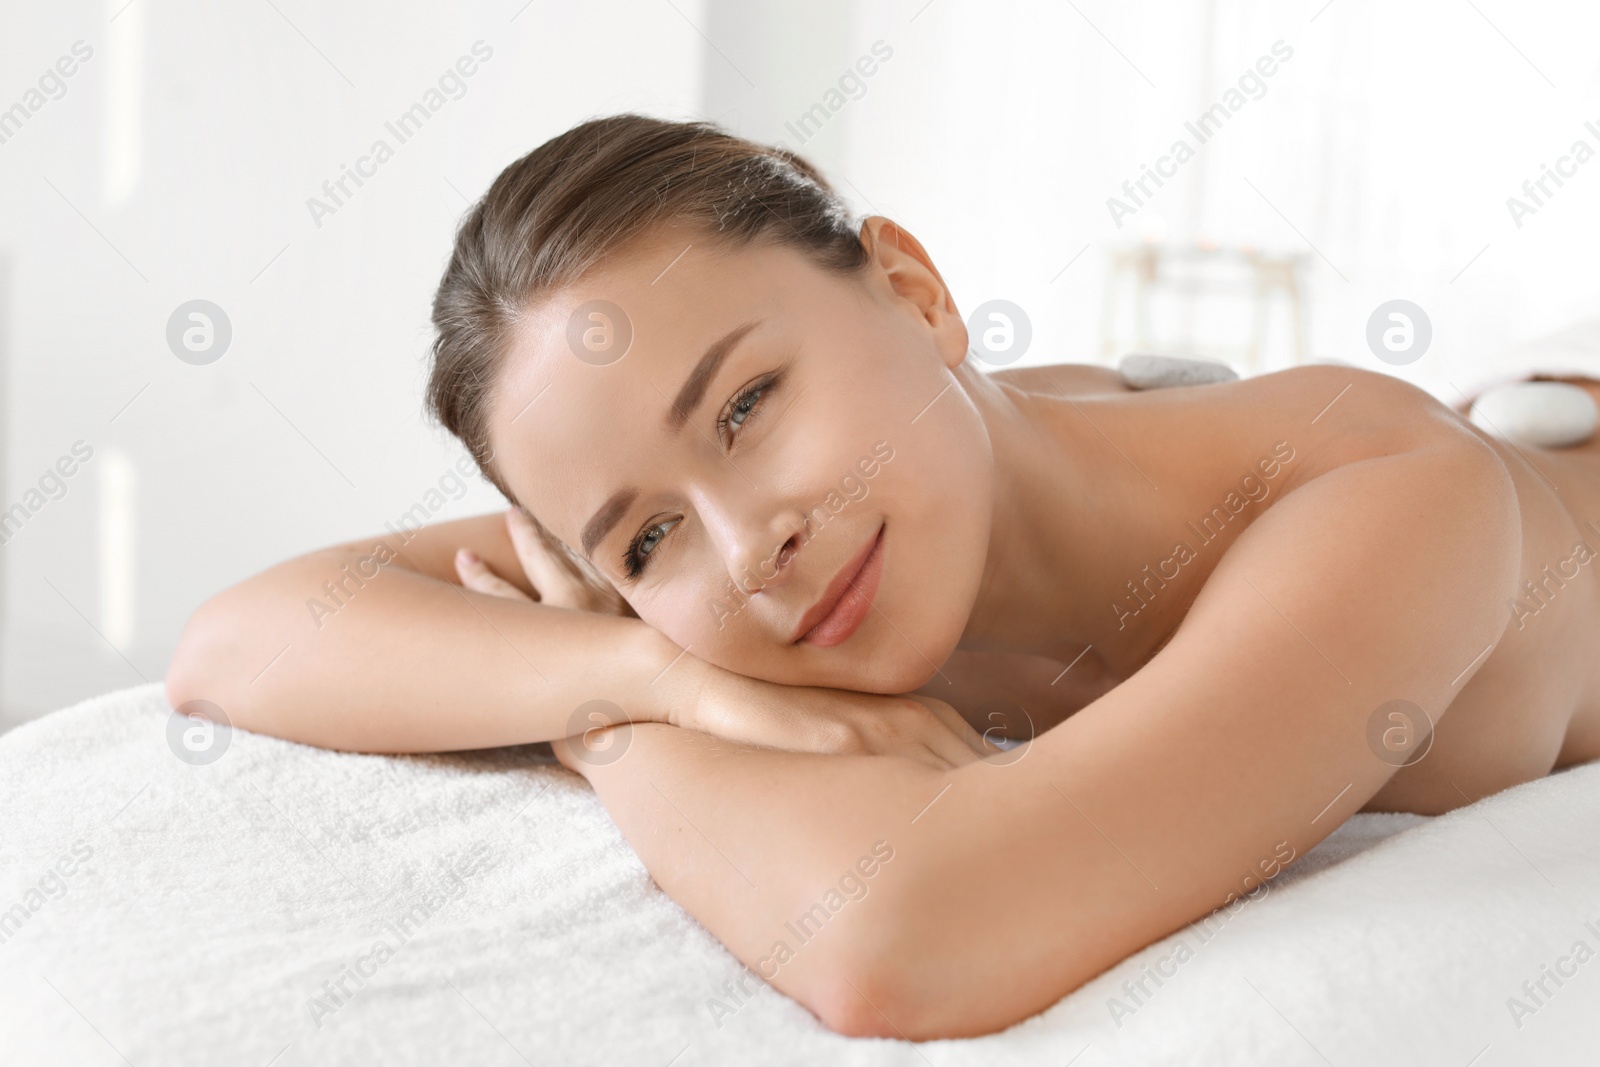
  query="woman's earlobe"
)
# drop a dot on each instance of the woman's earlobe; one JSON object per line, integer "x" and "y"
{"x": 951, "y": 333}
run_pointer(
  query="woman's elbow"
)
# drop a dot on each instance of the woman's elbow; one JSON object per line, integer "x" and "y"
{"x": 877, "y": 982}
{"x": 908, "y": 965}
{"x": 201, "y": 667}
{"x": 890, "y": 1002}
{"x": 889, "y": 999}
{"x": 858, "y": 1003}
{"x": 185, "y": 671}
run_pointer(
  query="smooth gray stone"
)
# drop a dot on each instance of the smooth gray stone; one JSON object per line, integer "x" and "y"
{"x": 1143, "y": 370}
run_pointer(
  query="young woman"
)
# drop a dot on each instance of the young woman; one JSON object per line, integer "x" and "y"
{"x": 800, "y": 566}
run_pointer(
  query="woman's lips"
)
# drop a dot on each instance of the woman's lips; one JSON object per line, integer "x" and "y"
{"x": 846, "y": 601}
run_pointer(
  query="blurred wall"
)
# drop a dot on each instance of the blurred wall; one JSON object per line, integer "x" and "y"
{"x": 176, "y": 165}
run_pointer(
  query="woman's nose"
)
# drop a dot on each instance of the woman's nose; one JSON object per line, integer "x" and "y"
{"x": 761, "y": 549}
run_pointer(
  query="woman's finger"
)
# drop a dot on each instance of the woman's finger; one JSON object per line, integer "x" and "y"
{"x": 951, "y": 750}
{"x": 961, "y": 744}
{"x": 557, "y": 585}
{"x": 476, "y": 575}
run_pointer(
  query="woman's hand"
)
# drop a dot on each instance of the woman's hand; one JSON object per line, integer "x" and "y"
{"x": 729, "y": 705}
{"x": 555, "y": 576}
{"x": 835, "y": 722}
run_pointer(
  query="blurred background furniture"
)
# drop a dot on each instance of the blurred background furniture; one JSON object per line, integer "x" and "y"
{"x": 1194, "y": 300}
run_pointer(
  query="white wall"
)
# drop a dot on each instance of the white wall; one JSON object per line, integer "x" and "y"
{"x": 192, "y": 138}
{"x": 190, "y": 141}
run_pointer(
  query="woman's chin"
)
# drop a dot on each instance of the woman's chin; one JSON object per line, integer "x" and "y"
{"x": 879, "y": 673}
{"x": 894, "y": 662}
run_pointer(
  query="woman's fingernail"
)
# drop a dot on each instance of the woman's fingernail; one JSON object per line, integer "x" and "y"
{"x": 466, "y": 555}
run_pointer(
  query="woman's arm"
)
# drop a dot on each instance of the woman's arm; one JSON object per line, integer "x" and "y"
{"x": 1241, "y": 745}
{"x": 784, "y": 856}
{"x": 370, "y": 646}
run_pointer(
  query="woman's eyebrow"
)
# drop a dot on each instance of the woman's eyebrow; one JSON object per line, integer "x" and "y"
{"x": 699, "y": 380}
{"x": 609, "y": 515}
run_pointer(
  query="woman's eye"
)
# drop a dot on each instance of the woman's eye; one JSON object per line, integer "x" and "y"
{"x": 743, "y": 406}
{"x": 638, "y": 554}
{"x": 652, "y": 537}
{"x": 741, "y": 410}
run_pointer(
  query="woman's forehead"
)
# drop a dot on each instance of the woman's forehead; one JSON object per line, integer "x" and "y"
{"x": 561, "y": 433}
{"x": 593, "y": 373}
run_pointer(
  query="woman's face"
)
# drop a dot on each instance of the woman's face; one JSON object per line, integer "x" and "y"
{"x": 771, "y": 434}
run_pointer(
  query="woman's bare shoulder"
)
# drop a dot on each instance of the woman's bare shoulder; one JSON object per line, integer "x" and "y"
{"x": 1318, "y": 387}
{"x": 1352, "y": 401}
{"x": 1335, "y": 414}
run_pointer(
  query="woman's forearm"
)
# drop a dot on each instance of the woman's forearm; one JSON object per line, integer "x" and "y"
{"x": 332, "y": 651}
{"x": 787, "y": 857}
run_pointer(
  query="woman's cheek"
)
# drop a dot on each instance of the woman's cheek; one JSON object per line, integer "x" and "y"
{"x": 713, "y": 615}
{"x": 708, "y": 618}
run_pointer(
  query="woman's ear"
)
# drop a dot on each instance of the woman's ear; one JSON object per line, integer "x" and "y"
{"x": 911, "y": 275}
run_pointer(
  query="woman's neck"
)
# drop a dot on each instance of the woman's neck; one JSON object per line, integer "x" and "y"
{"x": 1075, "y": 519}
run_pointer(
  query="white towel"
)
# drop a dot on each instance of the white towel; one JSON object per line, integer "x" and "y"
{"x": 220, "y": 908}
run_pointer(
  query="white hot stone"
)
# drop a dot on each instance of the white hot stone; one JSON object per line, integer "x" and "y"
{"x": 1543, "y": 414}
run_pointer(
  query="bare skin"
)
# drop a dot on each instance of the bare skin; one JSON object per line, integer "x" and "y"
{"x": 1366, "y": 546}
